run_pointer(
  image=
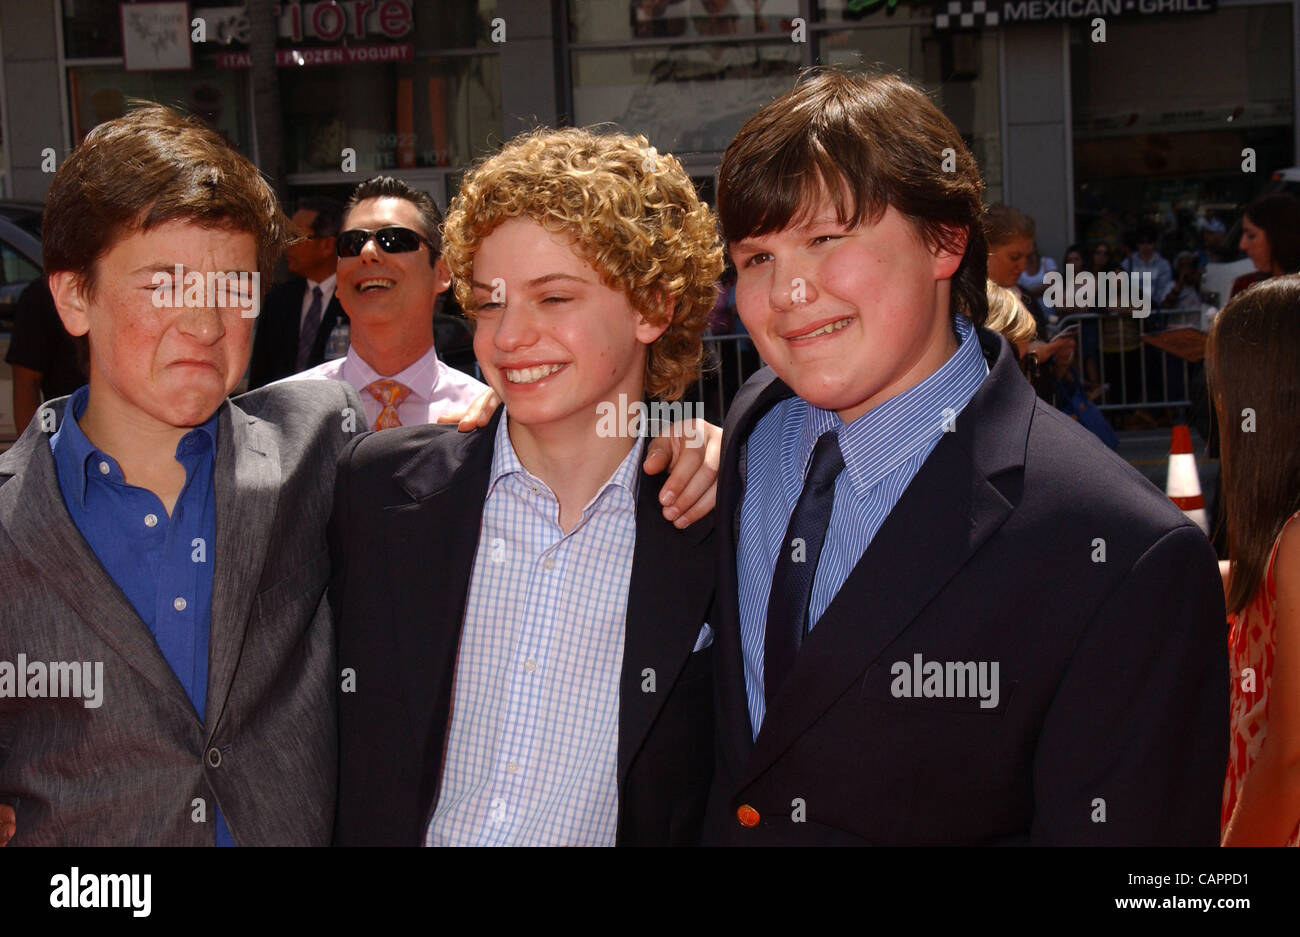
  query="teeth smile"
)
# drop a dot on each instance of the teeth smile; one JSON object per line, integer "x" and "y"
{"x": 826, "y": 329}
{"x": 531, "y": 375}
{"x": 381, "y": 284}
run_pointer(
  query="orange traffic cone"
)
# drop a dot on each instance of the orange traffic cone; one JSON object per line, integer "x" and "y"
{"x": 1183, "y": 485}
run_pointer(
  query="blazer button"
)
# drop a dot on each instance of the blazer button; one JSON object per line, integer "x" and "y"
{"x": 747, "y": 815}
{"x": 214, "y": 757}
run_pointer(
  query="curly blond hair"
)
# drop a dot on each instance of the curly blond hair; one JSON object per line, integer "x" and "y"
{"x": 1008, "y": 315}
{"x": 632, "y": 213}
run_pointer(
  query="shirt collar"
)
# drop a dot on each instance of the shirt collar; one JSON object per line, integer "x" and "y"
{"x": 875, "y": 443}
{"x": 74, "y": 454}
{"x": 422, "y": 376}
{"x": 505, "y": 461}
{"x": 326, "y": 285}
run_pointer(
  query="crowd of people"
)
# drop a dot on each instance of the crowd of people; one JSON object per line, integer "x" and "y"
{"x": 321, "y": 616}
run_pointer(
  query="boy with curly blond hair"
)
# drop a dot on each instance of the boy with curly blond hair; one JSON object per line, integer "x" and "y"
{"x": 540, "y": 674}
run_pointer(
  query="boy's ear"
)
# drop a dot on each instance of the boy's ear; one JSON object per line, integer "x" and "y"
{"x": 71, "y": 301}
{"x": 441, "y": 276}
{"x": 648, "y": 332}
{"x": 948, "y": 257}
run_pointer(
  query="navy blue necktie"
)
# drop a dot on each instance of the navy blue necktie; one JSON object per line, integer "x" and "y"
{"x": 796, "y": 564}
{"x": 307, "y": 336}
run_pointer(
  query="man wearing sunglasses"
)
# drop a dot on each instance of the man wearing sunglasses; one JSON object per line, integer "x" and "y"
{"x": 390, "y": 271}
{"x": 389, "y": 274}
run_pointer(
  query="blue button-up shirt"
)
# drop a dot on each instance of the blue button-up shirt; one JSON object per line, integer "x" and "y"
{"x": 162, "y": 564}
{"x": 883, "y": 449}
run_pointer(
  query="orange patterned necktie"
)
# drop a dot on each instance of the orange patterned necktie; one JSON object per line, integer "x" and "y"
{"x": 390, "y": 394}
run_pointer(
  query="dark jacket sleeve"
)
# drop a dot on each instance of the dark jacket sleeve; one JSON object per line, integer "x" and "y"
{"x": 1134, "y": 747}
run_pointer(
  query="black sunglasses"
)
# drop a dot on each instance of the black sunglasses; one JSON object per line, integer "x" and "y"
{"x": 391, "y": 240}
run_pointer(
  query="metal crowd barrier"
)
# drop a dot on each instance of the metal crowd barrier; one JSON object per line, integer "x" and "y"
{"x": 729, "y": 360}
{"x": 1129, "y": 368}
{"x": 1136, "y": 375}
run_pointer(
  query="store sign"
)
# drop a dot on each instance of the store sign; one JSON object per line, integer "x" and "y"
{"x": 329, "y": 55}
{"x": 330, "y": 21}
{"x": 155, "y": 36}
{"x": 976, "y": 14}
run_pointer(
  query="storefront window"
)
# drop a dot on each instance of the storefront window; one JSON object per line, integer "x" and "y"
{"x": 1167, "y": 148}
{"x": 218, "y": 96}
{"x": 91, "y": 29}
{"x": 682, "y": 98}
{"x": 873, "y": 11}
{"x": 960, "y": 70}
{"x": 422, "y": 114}
{"x": 454, "y": 24}
{"x": 618, "y": 20}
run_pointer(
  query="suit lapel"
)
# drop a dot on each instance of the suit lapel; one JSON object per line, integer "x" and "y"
{"x": 735, "y": 732}
{"x": 33, "y": 513}
{"x": 961, "y": 495}
{"x": 247, "y": 486}
{"x": 433, "y": 560}
{"x": 667, "y": 601}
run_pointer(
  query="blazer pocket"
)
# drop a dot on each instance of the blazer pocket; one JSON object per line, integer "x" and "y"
{"x": 306, "y": 579}
{"x": 898, "y": 688}
{"x": 699, "y": 666}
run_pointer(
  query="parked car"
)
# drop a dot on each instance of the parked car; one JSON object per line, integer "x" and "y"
{"x": 27, "y": 215}
{"x": 20, "y": 263}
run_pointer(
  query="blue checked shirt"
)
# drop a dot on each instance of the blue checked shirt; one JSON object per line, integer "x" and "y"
{"x": 532, "y": 752}
{"x": 883, "y": 450}
{"x": 157, "y": 561}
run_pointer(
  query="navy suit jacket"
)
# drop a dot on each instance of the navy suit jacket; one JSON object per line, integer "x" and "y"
{"x": 1024, "y": 541}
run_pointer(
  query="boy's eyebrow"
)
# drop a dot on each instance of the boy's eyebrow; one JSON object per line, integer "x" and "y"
{"x": 817, "y": 221}
{"x": 536, "y": 280}
{"x": 160, "y": 266}
{"x": 827, "y": 217}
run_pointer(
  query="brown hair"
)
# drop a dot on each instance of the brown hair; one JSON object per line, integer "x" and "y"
{"x": 871, "y": 142}
{"x": 145, "y": 169}
{"x": 390, "y": 187}
{"x": 1251, "y": 364}
{"x": 1002, "y": 223}
{"x": 1279, "y": 217}
{"x": 632, "y": 213}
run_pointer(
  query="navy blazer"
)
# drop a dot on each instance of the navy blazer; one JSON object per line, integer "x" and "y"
{"x": 1022, "y": 541}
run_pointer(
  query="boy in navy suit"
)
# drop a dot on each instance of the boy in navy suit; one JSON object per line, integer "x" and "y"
{"x": 946, "y": 614}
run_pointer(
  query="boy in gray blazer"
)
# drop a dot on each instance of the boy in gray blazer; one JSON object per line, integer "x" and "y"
{"x": 164, "y": 644}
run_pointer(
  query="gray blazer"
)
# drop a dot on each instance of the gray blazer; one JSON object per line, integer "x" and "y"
{"x": 140, "y": 768}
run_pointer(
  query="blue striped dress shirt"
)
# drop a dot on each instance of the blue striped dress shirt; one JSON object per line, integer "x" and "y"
{"x": 883, "y": 450}
{"x": 532, "y": 751}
